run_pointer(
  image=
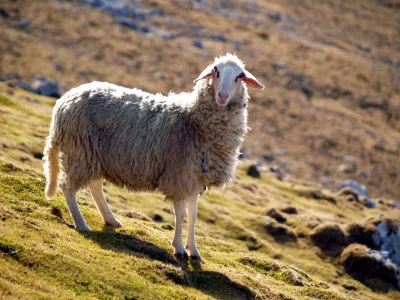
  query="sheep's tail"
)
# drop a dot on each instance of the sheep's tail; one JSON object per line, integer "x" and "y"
{"x": 51, "y": 167}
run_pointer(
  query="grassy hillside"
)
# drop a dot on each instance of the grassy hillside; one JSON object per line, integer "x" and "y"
{"x": 43, "y": 256}
{"x": 331, "y": 70}
{"x": 330, "y": 112}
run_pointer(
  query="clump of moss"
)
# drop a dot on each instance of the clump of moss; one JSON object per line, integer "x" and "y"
{"x": 318, "y": 194}
{"x": 361, "y": 234}
{"x": 290, "y": 210}
{"x": 281, "y": 232}
{"x": 275, "y": 214}
{"x": 367, "y": 268}
{"x": 330, "y": 238}
{"x": 349, "y": 194}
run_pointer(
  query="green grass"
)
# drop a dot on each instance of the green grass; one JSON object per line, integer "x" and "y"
{"x": 43, "y": 256}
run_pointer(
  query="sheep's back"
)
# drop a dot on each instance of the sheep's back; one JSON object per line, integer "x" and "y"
{"x": 134, "y": 138}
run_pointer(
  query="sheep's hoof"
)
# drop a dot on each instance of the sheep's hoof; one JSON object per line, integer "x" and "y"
{"x": 114, "y": 223}
{"x": 83, "y": 228}
{"x": 181, "y": 255}
{"x": 195, "y": 257}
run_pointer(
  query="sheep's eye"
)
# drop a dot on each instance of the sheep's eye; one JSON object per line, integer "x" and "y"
{"x": 241, "y": 75}
{"x": 216, "y": 72}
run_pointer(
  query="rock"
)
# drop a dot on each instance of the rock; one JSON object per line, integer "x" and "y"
{"x": 284, "y": 165}
{"x": 222, "y": 38}
{"x": 274, "y": 15}
{"x": 127, "y": 22}
{"x": 47, "y": 87}
{"x": 387, "y": 238}
{"x": 281, "y": 152}
{"x": 280, "y": 232}
{"x": 275, "y": 169}
{"x": 24, "y": 85}
{"x": 349, "y": 159}
{"x": 325, "y": 180}
{"x": 361, "y": 189}
{"x": 23, "y": 24}
{"x": 253, "y": 171}
{"x": 291, "y": 210}
{"x": 369, "y": 203}
{"x": 279, "y": 65}
{"x": 344, "y": 169}
{"x": 330, "y": 238}
{"x": 367, "y": 266}
{"x": 4, "y": 13}
{"x": 305, "y": 88}
{"x": 197, "y": 43}
{"x": 269, "y": 157}
{"x": 361, "y": 234}
{"x": 275, "y": 214}
{"x": 363, "y": 174}
{"x": 159, "y": 75}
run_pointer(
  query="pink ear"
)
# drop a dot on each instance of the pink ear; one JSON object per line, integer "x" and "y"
{"x": 252, "y": 81}
{"x": 208, "y": 72}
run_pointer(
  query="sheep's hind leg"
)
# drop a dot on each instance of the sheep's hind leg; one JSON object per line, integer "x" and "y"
{"x": 192, "y": 215}
{"x": 96, "y": 188}
{"x": 70, "y": 196}
{"x": 180, "y": 209}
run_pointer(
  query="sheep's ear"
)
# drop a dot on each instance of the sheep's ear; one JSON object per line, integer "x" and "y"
{"x": 208, "y": 72}
{"x": 252, "y": 81}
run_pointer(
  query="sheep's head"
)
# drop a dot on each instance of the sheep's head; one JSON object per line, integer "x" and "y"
{"x": 228, "y": 74}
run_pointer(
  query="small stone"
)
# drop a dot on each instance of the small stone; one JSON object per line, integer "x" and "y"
{"x": 279, "y": 65}
{"x": 274, "y": 15}
{"x": 275, "y": 169}
{"x": 47, "y": 87}
{"x": 369, "y": 203}
{"x": 253, "y": 171}
{"x": 269, "y": 157}
{"x": 3, "y": 218}
{"x": 197, "y": 43}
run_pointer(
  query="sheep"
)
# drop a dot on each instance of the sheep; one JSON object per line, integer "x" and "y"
{"x": 179, "y": 145}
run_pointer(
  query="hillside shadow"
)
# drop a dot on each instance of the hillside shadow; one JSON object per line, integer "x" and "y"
{"x": 128, "y": 244}
{"x": 212, "y": 283}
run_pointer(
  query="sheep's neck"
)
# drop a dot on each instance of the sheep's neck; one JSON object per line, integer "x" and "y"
{"x": 220, "y": 128}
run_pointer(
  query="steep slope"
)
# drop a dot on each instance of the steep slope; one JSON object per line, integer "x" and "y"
{"x": 330, "y": 68}
{"x": 43, "y": 256}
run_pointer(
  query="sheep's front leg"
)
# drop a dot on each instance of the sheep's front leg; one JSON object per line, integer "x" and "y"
{"x": 180, "y": 209}
{"x": 192, "y": 215}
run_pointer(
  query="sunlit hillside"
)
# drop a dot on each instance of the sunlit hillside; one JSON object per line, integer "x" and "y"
{"x": 330, "y": 112}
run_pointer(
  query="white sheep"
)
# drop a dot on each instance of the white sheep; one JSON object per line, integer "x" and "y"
{"x": 178, "y": 144}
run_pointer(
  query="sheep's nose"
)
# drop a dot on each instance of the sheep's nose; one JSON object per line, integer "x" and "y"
{"x": 223, "y": 95}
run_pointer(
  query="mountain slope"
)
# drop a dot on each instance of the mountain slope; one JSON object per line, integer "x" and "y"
{"x": 43, "y": 256}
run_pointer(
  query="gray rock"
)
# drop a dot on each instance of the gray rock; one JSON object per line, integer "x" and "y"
{"x": 360, "y": 189}
{"x": 344, "y": 169}
{"x": 47, "y": 87}
{"x": 274, "y": 15}
{"x": 197, "y": 43}
{"x": 275, "y": 169}
{"x": 279, "y": 65}
{"x": 387, "y": 239}
{"x": 24, "y": 85}
{"x": 269, "y": 157}
{"x": 23, "y": 24}
{"x": 369, "y": 203}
